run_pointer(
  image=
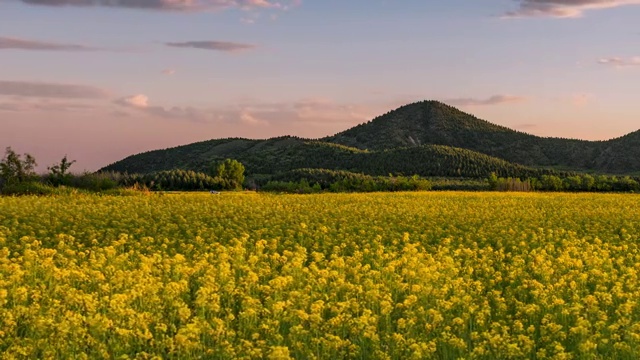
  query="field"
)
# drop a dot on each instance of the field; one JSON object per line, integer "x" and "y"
{"x": 368, "y": 276}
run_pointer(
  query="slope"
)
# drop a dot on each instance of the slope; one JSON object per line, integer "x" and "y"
{"x": 432, "y": 122}
{"x": 401, "y": 141}
{"x": 278, "y": 155}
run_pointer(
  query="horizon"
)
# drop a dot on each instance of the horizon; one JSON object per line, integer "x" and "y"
{"x": 42, "y": 168}
{"x": 162, "y": 73}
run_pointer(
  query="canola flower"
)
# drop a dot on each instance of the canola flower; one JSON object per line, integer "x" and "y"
{"x": 330, "y": 276}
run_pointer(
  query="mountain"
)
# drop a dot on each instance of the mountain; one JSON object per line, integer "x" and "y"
{"x": 284, "y": 154}
{"x": 432, "y": 122}
{"x": 427, "y": 138}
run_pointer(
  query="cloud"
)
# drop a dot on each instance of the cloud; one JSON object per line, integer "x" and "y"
{"x": 494, "y": 100}
{"x": 326, "y": 110}
{"x": 225, "y": 46}
{"x": 563, "y": 8}
{"x": 43, "y": 105}
{"x": 24, "y": 44}
{"x": 620, "y": 62}
{"x": 140, "y": 102}
{"x": 247, "y": 118}
{"x": 137, "y": 101}
{"x": 310, "y": 111}
{"x": 174, "y": 5}
{"x": 168, "y": 72}
{"x": 315, "y": 111}
{"x": 51, "y": 90}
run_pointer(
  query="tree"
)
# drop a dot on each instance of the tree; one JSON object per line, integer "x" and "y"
{"x": 14, "y": 169}
{"x": 58, "y": 174}
{"x": 231, "y": 173}
{"x": 551, "y": 183}
{"x": 573, "y": 183}
{"x": 588, "y": 182}
{"x": 493, "y": 181}
{"x": 603, "y": 183}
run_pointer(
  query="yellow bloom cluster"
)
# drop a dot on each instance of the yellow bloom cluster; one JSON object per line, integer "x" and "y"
{"x": 329, "y": 276}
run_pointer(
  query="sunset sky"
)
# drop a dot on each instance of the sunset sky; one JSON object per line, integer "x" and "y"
{"x": 103, "y": 79}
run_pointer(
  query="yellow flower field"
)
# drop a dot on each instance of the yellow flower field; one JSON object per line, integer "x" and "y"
{"x": 330, "y": 276}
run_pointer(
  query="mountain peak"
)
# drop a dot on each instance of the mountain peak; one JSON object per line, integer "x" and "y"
{"x": 424, "y": 122}
{"x": 402, "y": 137}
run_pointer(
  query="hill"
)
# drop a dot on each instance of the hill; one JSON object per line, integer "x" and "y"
{"x": 424, "y": 138}
{"x": 284, "y": 154}
{"x": 432, "y": 122}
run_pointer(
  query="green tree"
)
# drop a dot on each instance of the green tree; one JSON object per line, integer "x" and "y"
{"x": 588, "y": 182}
{"x": 573, "y": 183}
{"x": 59, "y": 173}
{"x": 603, "y": 183}
{"x": 493, "y": 181}
{"x": 551, "y": 183}
{"x": 231, "y": 173}
{"x": 14, "y": 169}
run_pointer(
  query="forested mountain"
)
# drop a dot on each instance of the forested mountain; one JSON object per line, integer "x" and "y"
{"x": 425, "y": 138}
{"x": 432, "y": 122}
{"x": 284, "y": 154}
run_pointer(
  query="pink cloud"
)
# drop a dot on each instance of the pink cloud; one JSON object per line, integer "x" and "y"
{"x": 174, "y": 5}
{"x": 493, "y": 100}
{"x": 225, "y": 46}
{"x": 27, "y": 106}
{"x": 137, "y": 101}
{"x": 620, "y": 62}
{"x": 317, "y": 111}
{"x": 9, "y": 43}
{"x": 563, "y": 8}
{"x": 51, "y": 90}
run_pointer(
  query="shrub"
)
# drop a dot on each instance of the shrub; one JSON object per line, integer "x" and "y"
{"x": 27, "y": 188}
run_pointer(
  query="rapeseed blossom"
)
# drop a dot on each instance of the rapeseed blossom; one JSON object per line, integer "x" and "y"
{"x": 376, "y": 276}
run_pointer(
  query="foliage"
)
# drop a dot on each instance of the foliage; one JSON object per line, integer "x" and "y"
{"x": 275, "y": 156}
{"x": 425, "y": 138}
{"x": 59, "y": 173}
{"x": 511, "y": 184}
{"x": 342, "y": 181}
{"x": 575, "y": 183}
{"x": 175, "y": 180}
{"x": 432, "y": 122}
{"x": 330, "y": 276}
{"x": 27, "y": 188}
{"x": 300, "y": 187}
{"x": 14, "y": 169}
{"x": 460, "y": 184}
{"x": 96, "y": 181}
{"x": 231, "y": 174}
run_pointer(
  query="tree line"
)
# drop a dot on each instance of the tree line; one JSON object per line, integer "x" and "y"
{"x": 18, "y": 176}
{"x": 573, "y": 183}
{"x": 306, "y": 181}
{"x": 278, "y": 155}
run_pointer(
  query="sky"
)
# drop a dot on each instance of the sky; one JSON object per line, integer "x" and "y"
{"x": 99, "y": 80}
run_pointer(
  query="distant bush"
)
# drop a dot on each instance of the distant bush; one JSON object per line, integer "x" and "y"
{"x": 96, "y": 181}
{"x": 574, "y": 183}
{"x": 299, "y": 187}
{"x": 307, "y": 181}
{"x": 135, "y": 190}
{"x": 27, "y": 188}
{"x": 459, "y": 184}
{"x": 174, "y": 180}
{"x": 16, "y": 168}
